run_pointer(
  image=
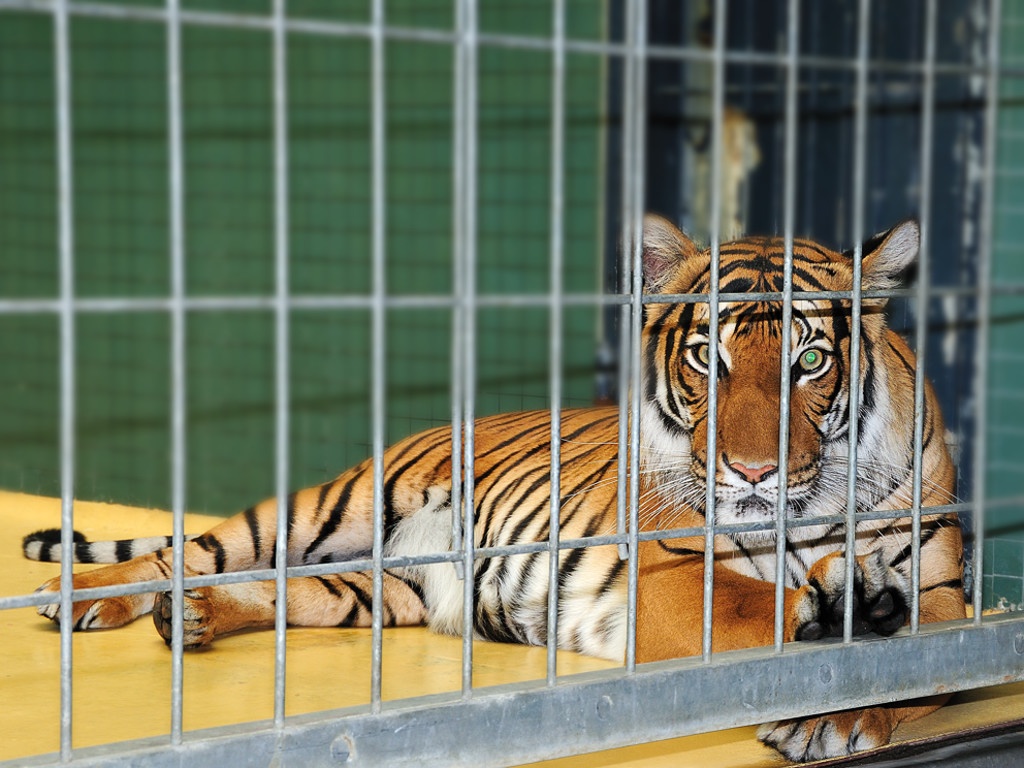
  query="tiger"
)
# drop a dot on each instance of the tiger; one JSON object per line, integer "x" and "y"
{"x": 512, "y": 498}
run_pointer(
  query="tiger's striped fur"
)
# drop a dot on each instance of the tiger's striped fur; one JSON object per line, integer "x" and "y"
{"x": 333, "y": 521}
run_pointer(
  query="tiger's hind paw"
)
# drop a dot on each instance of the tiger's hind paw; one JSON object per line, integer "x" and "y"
{"x": 835, "y": 735}
{"x": 198, "y": 613}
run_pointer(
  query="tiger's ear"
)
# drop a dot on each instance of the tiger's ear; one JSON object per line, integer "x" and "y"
{"x": 887, "y": 255}
{"x": 664, "y": 248}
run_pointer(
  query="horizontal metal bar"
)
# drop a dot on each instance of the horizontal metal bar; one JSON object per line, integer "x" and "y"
{"x": 298, "y": 571}
{"x": 524, "y": 722}
{"x": 233, "y": 20}
{"x": 523, "y": 42}
{"x": 746, "y": 296}
{"x": 117, "y": 305}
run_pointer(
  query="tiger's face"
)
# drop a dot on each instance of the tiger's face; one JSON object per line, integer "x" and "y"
{"x": 678, "y": 366}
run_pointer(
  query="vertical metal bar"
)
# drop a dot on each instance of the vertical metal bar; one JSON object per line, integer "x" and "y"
{"x": 468, "y": 43}
{"x": 633, "y": 210}
{"x": 923, "y": 286}
{"x": 786, "y": 363}
{"x": 555, "y": 351}
{"x": 981, "y": 358}
{"x": 631, "y": 283}
{"x": 178, "y": 382}
{"x": 859, "y": 174}
{"x": 628, "y": 285}
{"x": 281, "y": 351}
{"x": 378, "y": 346}
{"x": 637, "y": 186}
{"x": 810, "y": 141}
{"x": 717, "y": 110}
{"x": 66, "y": 261}
{"x": 622, "y": 456}
{"x": 458, "y": 285}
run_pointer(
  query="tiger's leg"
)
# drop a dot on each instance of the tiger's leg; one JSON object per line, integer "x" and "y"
{"x": 336, "y": 600}
{"x": 878, "y": 583}
{"x": 881, "y": 604}
{"x": 670, "y": 605}
{"x": 670, "y": 624}
{"x": 331, "y": 521}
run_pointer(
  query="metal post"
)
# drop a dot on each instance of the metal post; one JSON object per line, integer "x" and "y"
{"x": 378, "y": 346}
{"x": 458, "y": 283}
{"x": 555, "y": 353}
{"x": 786, "y": 364}
{"x": 923, "y": 302}
{"x": 633, "y": 204}
{"x": 281, "y": 351}
{"x": 628, "y": 287}
{"x": 984, "y": 312}
{"x": 468, "y": 45}
{"x": 62, "y": 72}
{"x": 176, "y": 194}
{"x": 717, "y": 115}
{"x": 859, "y": 185}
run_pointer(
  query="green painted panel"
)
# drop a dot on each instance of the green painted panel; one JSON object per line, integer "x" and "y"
{"x": 1003, "y": 557}
{"x": 28, "y": 215}
{"x": 119, "y": 121}
{"x": 122, "y": 237}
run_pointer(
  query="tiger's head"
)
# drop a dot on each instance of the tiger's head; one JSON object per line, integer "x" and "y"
{"x": 676, "y": 368}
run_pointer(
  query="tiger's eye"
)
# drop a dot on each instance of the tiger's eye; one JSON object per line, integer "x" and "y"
{"x": 704, "y": 354}
{"x": 812, "y": 359}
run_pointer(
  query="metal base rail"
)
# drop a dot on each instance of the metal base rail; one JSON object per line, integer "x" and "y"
{"x": 507, "y": 725}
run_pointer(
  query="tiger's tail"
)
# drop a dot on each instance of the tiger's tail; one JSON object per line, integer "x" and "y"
{"x": 45, "y": 546}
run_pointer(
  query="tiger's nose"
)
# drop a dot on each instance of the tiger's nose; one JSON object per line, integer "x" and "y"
{"x": 753, "y": 474}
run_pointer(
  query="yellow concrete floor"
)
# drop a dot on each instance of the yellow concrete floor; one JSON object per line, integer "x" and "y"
{"x": 121, "y": 677}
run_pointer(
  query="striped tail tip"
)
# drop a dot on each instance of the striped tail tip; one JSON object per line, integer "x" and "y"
{"x": 45, "y": 546}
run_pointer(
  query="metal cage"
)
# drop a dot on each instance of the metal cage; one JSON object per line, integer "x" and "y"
{"x": 660, "y": 78}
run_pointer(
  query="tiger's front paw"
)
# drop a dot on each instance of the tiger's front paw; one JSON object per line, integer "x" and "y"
{"x": 198, "y": 613}
{"x": 879, "y": 593}
{"x": 834, "y": 735}
{"x": 105, "y": 613}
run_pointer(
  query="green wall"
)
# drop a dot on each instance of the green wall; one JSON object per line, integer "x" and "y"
{"x": 1004, "y": 553}
{"x": 121, "y": 223}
